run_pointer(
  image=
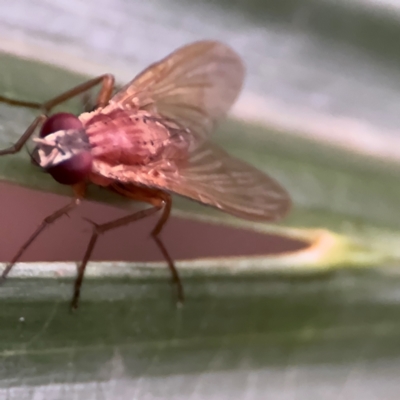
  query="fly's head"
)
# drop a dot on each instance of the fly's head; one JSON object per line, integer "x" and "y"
{"x": 63, "y": 149}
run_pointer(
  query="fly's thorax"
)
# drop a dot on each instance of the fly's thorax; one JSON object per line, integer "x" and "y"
{"x": 130, "y": 137}
{"x": 65, "y": 154}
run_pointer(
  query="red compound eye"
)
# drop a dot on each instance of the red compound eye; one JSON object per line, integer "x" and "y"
{"x": 77, "y": 168}
{"x": 60, "y": 122}
{"x": 74, "y": 170}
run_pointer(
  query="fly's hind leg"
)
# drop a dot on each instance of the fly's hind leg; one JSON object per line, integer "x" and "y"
{"x": 166, "y": 199}
{"x": 159, "y": 201}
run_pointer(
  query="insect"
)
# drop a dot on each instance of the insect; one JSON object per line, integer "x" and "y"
{"x": 150, "y": 140}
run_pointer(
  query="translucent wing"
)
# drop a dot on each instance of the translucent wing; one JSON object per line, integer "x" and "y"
{"x": 213, "y": 177}
{"x": 194, "y": 86}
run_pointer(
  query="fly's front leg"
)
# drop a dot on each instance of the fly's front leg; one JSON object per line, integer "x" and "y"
{"x": 104, "y": 96}
{"x": 105, "y": 93}
{"x": 78, "y": 191}
{"x": 16, "y": 147}
{"x": 20, "y": 103}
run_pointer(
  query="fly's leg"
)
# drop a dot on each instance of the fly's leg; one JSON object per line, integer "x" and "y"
{"x": 159, "y": 200}
{"x": 16, "y": 147}
{"x": 48, "y": 220}
{"x": 89, "y": 101}
{"x": 78, "y": 190}
{"x": 167, "y": 201}
{"x": 20, "y": 103}
{"x": 98, "y": 230}
{"x": 105, "y": 93}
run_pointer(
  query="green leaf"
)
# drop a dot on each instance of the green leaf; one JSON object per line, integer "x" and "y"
{"x": 249, "y": 324}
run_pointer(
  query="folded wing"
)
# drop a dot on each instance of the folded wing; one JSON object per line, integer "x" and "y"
{"x": 211, "y": 176}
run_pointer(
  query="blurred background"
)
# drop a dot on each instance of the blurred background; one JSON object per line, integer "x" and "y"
{"x": 311, "y": 64}
{"x": 321, "y": 69}
{"x": 319, "y": 73}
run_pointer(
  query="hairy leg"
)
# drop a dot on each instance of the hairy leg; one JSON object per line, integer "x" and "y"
{"x": 159, "y": 201}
